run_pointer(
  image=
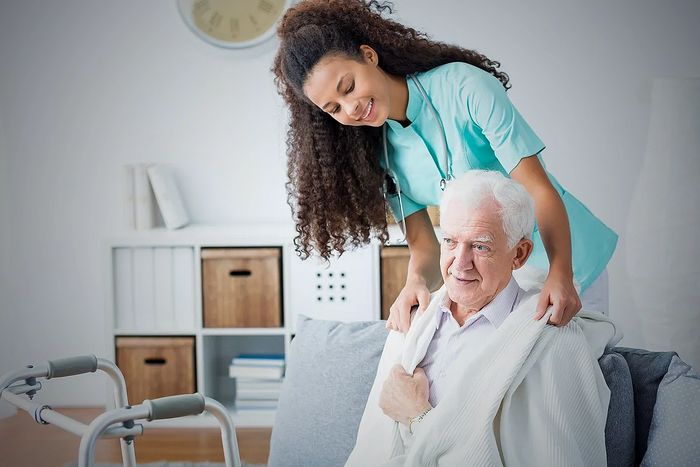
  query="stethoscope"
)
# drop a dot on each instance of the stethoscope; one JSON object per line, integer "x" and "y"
{"x": 392, "y": 186}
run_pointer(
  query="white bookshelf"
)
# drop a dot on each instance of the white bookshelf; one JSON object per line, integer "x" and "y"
{"x": 155, "y": 289}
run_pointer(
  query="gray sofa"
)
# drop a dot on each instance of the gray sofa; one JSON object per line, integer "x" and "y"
{"x": 654, "y": 415}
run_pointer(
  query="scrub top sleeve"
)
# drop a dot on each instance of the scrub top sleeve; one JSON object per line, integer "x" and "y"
{"x": 409, "y": 206}
{"x": 509, "y": 135}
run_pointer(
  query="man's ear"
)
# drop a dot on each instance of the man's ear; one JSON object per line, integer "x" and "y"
{"x": 369, "y": 54}
{"x": 522, "y": 253}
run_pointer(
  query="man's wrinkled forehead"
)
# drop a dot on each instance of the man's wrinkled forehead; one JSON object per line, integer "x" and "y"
{"x": 461, "y": 215}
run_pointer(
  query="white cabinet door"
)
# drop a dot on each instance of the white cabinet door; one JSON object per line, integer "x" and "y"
{"x": 154, "y": 288}
{"x": 346, "y": 289}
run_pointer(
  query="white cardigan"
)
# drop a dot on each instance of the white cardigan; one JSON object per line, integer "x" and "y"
{"x": 534, "y": 395}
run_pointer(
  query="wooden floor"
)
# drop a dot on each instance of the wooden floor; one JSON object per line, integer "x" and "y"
{"x": 25, "y": 443}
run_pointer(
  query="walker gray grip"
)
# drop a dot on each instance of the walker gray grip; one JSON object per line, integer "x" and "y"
{"x": 72, "y": 366}
{"x": 176, "y": 406}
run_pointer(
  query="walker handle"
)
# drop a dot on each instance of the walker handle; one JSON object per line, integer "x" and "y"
{"x": 71, "y": 366}
{"x": 175, "y": 406}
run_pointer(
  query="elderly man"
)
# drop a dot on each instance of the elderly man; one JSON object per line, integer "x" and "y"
{"x": 477, "y": 381}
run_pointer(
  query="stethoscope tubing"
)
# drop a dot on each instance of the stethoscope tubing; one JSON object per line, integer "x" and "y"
{"x": 446, "y": 174}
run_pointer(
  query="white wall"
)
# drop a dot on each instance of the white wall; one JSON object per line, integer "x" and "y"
{"x": 86, "y": 87}
{"x": 5, "y": 408}
{"x": 4, "y": 237}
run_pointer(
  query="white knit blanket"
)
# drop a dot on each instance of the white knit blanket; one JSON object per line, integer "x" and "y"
{"x": 534, "y": 395}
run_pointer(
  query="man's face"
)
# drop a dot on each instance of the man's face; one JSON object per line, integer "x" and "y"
{"x": 475, "y": 260}
{"x": 354, "y": 92}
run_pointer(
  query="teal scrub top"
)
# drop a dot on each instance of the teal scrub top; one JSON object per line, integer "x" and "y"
{"x": 484, "y": 131}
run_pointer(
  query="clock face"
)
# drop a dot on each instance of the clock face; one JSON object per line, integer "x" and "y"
{"x": 232, "y": 23}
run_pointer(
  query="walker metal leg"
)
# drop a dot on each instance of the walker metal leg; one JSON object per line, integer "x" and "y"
{"x": 86, "y": 451}
{"x": 228, "y": 432}
{"x": 128, "y": 452}
{"x": 121, "y": 400}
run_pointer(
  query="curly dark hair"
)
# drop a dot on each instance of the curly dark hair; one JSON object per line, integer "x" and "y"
{"x": 334, "y": 177}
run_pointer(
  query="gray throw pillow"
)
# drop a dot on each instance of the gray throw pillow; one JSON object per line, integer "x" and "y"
{"x": 674, "y": 435}
{"x": 619, "y": 428}
{"x": 647, "y": 370}
{"x": 330, "y": 370}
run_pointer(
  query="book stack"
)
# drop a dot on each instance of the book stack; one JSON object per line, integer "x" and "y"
{"x": 258, "y": 380}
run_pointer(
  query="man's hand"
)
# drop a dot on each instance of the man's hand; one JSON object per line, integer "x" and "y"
{"x": 404, "y": 396}
{"x": 413, "y": 293}
{"x": 558, "y": 291}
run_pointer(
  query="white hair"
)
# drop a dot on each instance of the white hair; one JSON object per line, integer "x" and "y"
{"x": 516, "y": 206}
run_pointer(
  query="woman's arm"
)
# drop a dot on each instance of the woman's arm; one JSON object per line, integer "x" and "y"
{"x": 423, "y": 270}
{"x": 553, "y": 224}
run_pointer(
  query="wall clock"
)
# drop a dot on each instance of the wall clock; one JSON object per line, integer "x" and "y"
{"x": 233, "y": 24}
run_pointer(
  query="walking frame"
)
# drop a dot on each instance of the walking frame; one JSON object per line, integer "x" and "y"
{"x": 119, "y": 422}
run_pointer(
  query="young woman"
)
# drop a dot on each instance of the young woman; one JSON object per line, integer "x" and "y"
{"x": 379, "y": 111}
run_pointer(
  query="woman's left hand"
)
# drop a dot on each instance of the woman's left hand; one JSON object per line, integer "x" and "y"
{"x": 558, "y": 291}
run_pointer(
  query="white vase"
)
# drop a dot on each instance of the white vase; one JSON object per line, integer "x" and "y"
{"x": 663, "y": 229}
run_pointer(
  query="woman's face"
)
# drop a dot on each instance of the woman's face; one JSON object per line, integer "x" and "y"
{"x": 354, "y": 92}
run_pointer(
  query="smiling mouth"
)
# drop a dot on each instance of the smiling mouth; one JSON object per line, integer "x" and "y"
{"x": 464, "y": 281}
{"x": 370, "y": 105}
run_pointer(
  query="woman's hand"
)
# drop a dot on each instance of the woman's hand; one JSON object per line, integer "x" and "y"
{"x": 413, "y": 293}
{"x": 553, "y": 224}
{"x": 558, "y": 291}
{"x": 423, "y": 271}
